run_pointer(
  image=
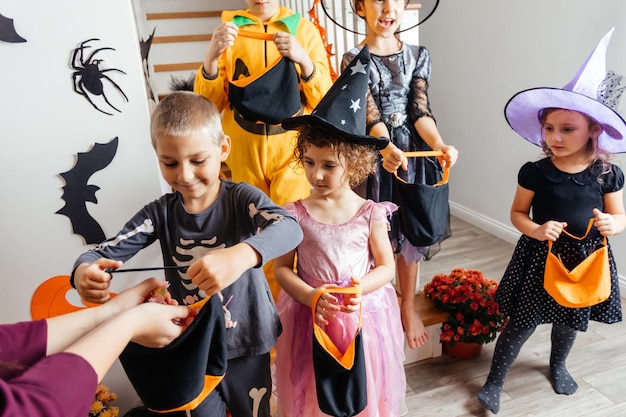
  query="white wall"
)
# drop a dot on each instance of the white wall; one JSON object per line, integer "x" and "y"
{"x": 485, "y": 51}
{"x": 44, "y": 124}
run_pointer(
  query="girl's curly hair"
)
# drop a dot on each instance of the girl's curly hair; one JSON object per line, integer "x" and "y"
{"x": 361, "y": 160}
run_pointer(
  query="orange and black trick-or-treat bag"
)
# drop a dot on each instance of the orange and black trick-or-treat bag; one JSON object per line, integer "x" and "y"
{"x": 181, "y": 375}
{"x": 588, "y": 284}
{"x": 269, "y": 96}
{"x": 339, "y": 377}
{"x": 423, "y": 208}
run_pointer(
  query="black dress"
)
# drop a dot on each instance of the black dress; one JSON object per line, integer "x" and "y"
{"x": 564, "y": 197}
{"x": 399, "y": 90}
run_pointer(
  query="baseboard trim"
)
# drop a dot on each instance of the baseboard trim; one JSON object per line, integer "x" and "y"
{"x": 506, "y": 232}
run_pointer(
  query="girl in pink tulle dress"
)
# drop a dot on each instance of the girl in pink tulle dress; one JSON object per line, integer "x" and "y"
{"x": 345, "y": 241}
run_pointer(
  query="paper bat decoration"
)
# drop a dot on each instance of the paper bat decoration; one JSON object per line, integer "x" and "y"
{"x": 77, "y": 192}
{"x": 8, "y": 32}
{"x": 144, "y": 48}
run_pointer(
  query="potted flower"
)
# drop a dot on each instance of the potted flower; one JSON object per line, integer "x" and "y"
{"x": 473, "y": 315}
{"x": 101, "y": 406}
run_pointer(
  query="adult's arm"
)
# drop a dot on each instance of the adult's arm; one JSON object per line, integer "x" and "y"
{"x": 63, "y": 385}
{"x": 52, "y": 367}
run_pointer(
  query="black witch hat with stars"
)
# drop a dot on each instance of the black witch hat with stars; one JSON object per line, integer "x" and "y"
{"x": 342, "y": 110}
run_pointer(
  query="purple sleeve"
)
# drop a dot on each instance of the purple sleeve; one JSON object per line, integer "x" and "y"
{"x": 22, "y": 343}
{"x": 61, "y": 385}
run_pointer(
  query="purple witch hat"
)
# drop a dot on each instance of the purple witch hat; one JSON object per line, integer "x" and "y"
{"x": 592, "y": 91}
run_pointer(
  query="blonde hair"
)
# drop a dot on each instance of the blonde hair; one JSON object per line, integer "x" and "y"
{"x": 361, "y": 160}
{"x": 182, "y": 113}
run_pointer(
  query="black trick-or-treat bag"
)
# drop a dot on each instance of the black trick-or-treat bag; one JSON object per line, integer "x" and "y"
{"x": 181, "y": 375}
{"x": 269, "y": 96}
{"x": 340, "y": 378}
{"x": 423, "y": 208}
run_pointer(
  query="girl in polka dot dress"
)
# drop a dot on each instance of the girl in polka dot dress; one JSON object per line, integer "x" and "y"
{"x": 578, "y": 129}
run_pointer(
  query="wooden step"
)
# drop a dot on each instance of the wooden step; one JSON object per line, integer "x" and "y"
{"x": 182, "y": 38}
{"x": 184, "y": 15}
{"x": 181, "y": 66}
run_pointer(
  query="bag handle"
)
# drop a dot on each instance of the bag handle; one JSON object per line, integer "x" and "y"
{"x": 438, "y": 154}
{"x": 228, "y": 59}
{"x": 345, "y": 359}
{"x": 263, "y": 36}
{"x": 589, "y": 226}
{"x": 343, "y": 290}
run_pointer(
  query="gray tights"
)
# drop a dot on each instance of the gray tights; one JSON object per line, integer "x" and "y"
{"x": 508, "y": 347}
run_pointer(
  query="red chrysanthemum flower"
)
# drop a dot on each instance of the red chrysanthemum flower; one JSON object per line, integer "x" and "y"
{"x": 469, "y": 299}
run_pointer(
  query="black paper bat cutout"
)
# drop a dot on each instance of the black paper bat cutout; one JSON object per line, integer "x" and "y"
{"x": 8, "y": 32}
{"x": 144, "y": 48}
{"x": 77, "y": 192}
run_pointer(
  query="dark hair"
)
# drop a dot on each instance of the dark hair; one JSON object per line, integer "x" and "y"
{"x": 356, "y": 4}
{"x": 361, "y": 160}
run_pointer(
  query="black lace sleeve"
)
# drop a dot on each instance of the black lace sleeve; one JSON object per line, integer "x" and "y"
{"x": 419, "y": 105}
{"x": 372, "y": 114}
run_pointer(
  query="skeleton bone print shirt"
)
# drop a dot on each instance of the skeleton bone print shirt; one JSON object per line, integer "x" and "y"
{"x": 241, "y": 213}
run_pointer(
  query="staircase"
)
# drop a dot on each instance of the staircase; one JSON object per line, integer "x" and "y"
{"x": 182, "y": 32}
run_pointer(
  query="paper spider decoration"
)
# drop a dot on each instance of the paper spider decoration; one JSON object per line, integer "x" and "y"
{"x": 90, "y": 75}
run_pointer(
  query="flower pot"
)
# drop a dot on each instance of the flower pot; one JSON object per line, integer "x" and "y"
{"x": 462, "y": 350}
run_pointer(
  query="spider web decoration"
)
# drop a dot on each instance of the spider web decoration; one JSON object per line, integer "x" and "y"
{"x": 416, "y": 13}
{"x": 8, "y": 32}
{"x": 91, "y": 76}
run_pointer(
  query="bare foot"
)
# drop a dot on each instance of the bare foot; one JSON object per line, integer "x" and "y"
{"x": 414, "y": 328}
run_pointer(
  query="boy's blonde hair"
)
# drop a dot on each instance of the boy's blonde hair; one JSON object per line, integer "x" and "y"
{"x": 361, "y": 160}
{"x": 182, "y": 113}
